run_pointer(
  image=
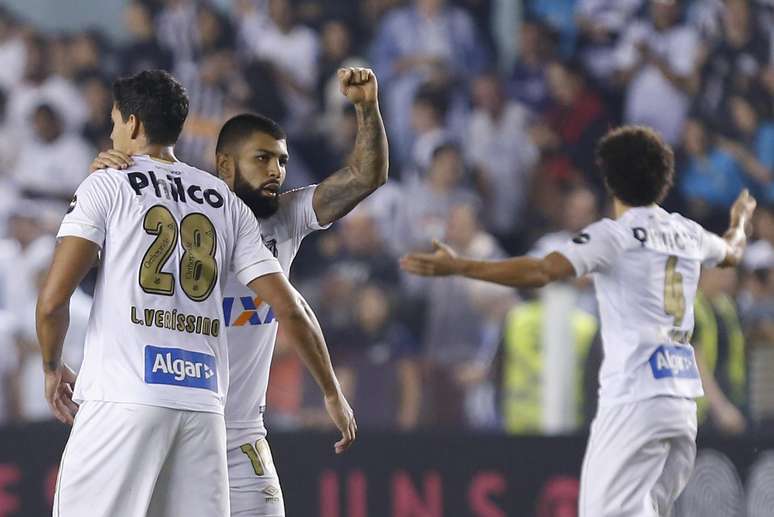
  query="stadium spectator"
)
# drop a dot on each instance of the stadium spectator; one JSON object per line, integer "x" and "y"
{"x": 12, "y": 51}
{"x": 721, "y": 352}
{"x": 99, "y": 99}
{"x": 733, "y": 62}
{"x": 527, "y": 80}
{"x": 462, "y": 332}
{"x": 707, "y": 175}
{"x": 655, "y": 62}
{"x": 600, "y": 25}
{"x": 38, "y": 86}
{"x": 143, "y": 50}
{"x": 428, "y": 122}
{"x": 53, "y": 162}
{"x": 427, "y": 41}
{"x": 499, "y": 147}
{"x": 559, "y": 15}
{"x": 176, "y": 29}
{"x": 377, "y": 363}
{"x": 753, "y": 146}
{"x": 570, "y": 128}
{"x": 426, "y": 204}
{"x": 292, "y": 49}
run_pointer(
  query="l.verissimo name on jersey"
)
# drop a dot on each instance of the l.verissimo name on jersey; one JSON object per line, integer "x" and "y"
{"x": 177, "y": 321}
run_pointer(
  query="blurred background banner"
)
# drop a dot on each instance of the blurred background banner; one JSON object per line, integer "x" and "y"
{"x": 492, "y": 109}
{"x": 427, "y": 475}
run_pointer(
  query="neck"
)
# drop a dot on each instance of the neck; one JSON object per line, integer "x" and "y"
{"x": 619, "y": 208}
{"x": 159, "y": 152}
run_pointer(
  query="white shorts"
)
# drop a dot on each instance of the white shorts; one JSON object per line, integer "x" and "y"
{"x": 639, "y": 458}
{"x": 253, "y": 482}
{"x": 132, "y": 460}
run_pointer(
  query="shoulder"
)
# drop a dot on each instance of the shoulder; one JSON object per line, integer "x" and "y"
{"x": 623, "y": 233}
{"x": 104, "y": 180}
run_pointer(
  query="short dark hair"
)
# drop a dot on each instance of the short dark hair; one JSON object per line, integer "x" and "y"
{"x": 636, "y": 164}
{"x": 238, "y": 128}
{"x": 157, "y": 100}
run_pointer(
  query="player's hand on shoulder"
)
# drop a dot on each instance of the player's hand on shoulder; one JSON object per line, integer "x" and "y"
{"x": 442, "y": 262}
{"x": 341, "y": 413}
{"x": 358, "y": 84}
{"x": 111, "y": 159}
{"x": 59, "y": 384}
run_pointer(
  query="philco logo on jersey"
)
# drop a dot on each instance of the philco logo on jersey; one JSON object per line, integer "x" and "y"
{"x": 249, "y": 314}
{"x": 178, "y": 367}
{"x": 173, "y": 189}
{"x": 673, "y": 361}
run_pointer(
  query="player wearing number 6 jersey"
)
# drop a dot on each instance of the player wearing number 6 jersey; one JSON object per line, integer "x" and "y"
{"x": 149, "y": 436}
{"x": 646, "y": 265}
{"x": 252, "y": 152}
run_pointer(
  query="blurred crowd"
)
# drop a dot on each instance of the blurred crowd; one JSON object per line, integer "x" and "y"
{"x": 492, "y": 109}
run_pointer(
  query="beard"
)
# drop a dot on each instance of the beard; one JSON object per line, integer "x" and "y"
{"x": 261, "y": 206}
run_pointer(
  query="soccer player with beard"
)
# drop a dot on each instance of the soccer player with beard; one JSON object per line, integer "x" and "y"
{"x": 646, "y": 265}
{"x": 149, "y": 438}
{"x": 252, "y": 153}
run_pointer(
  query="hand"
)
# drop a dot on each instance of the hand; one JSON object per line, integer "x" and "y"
{"x": 341, "y": 413}
{"x": 729, "y": 419}
{"x": 471, "y": 373}
{"x": 59, "y": 393}
{"x": 742, "y": 209}
{"x": 442, "y": 262}
{"x": 111, "y": 159}
{"x": 732, "y": 147}
{"x": 358, "y": 85}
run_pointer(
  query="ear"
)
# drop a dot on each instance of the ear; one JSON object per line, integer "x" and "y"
{"x": 134, "y": 125}
{"x": 226, "y": 168}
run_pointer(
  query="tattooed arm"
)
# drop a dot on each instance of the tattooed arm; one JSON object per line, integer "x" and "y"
{"x": 366, "y": 169}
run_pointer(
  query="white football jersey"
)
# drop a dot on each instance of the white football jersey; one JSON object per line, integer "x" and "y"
{"x": 646, "y": 267}
{"x": 169, "y": 234}
{"x": 250, "y": 323}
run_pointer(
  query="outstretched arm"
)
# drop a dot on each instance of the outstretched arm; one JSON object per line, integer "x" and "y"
{"x": 736, "y": 236}
{"x": 520, "y": 272}
{"x": 367, "y": 167}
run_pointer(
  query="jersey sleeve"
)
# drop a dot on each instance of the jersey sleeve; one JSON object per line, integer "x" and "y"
{"x": 713, "y": 249}
{"x": 595, "y": 248}
{"x": 88, "y": 212}
{"x": 251, "y": 258}
{"x": 300, "y": 216}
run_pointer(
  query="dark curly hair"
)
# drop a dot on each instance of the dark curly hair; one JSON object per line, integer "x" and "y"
{"x": 157, "y": 100}
{"x": 638, "y": 167}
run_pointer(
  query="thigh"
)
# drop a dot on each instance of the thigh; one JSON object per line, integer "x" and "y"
{"x": 676, "y": 472}
{"x": 194, "y": 479}
{"x": 623, "y": 461}
{"x": 253, "y": 482}
{"x": 113, "y": 457}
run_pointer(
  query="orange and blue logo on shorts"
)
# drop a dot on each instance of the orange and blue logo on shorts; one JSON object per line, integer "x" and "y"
{"x": 178, "y": 367}
{"x": 673, "y": 361}
{"x": 248, "y": 315}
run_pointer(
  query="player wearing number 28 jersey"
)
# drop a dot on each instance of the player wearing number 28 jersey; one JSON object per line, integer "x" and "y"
{"x": 251, "y": 156}
{"x": 646, "y": 265}
{"x": 149, "y": 436}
